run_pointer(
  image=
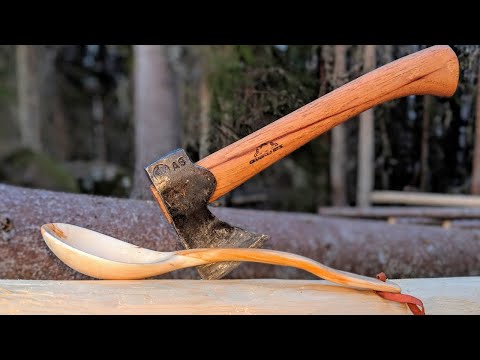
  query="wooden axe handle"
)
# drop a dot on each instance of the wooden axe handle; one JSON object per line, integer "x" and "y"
{"x": 432, "y": 71}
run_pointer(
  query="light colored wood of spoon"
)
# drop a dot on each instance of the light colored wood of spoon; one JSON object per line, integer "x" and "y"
{"x": 104, "y": 257}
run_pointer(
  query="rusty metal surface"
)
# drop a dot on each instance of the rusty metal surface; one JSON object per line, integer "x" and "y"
{"x": 184, "y": 190}
{"x": 363, "y": 247}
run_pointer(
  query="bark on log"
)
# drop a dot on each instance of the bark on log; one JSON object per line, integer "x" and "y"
{"x": 363, "y": 247}
{"x": 471, "y": 224}
{"x": 383, "y": 212}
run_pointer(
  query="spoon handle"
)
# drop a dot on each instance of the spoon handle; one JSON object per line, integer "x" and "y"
{"x": 273, "y": 257}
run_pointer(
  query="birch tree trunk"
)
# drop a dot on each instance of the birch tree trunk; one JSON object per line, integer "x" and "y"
{"x": 157, "y": 128}
{"x": 28, "y": 93}
{"x": 338, "y": 140}
{"x": 366, "y": 140}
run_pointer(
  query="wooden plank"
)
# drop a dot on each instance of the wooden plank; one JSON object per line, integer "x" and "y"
{"x": 459, "y": 295}
{"x": 428, "y": 199}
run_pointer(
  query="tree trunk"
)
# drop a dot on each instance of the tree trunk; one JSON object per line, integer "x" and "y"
{"x": 475, "y": 189}
{"x": 383, "y": 120}
{"x": 363, "y": 247}
{"x": 99, "y": 141}
{"x": 424, "y": 168}
{"x": 157, "y": 129}
{"x": 204, "y": 97}
{"x": 366, "y": 140}
{"x": 28, "y": 92}
{"x": 61, "y": 148}
{"x": 338, "y": 155}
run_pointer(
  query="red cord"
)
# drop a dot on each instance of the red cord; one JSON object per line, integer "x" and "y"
{"x": 415, "y": 305}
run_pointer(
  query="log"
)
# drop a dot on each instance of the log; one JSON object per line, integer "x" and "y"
{"x": 472, "y": 224}
{"x": 445, "y": 224}
{"x": 230, "y": 297}
{"x": 427, "y": 199}
{"x": 359, "y": 246}
{"x": 385, "y": 212}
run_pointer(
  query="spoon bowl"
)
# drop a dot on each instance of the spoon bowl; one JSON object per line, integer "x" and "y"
{"x": 102, "y": 256}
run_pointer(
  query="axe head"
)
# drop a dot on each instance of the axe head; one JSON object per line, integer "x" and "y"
{"x": 183, "y": 189}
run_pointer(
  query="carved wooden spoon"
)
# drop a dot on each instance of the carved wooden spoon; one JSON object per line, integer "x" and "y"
{"x": 104, "y": 257}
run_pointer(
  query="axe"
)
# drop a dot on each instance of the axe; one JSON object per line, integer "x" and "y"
{"x": 183, "y": 189}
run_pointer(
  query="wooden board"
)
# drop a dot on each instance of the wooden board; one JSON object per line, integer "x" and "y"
{"x": 459, "y": 295}
{"x": 424, "y": 199}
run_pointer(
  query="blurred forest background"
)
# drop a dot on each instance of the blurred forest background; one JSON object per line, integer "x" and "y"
{"x": 88, "y": 118}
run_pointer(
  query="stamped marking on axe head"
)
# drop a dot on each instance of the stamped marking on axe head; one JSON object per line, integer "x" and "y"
{"x": 183, "y": 191}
